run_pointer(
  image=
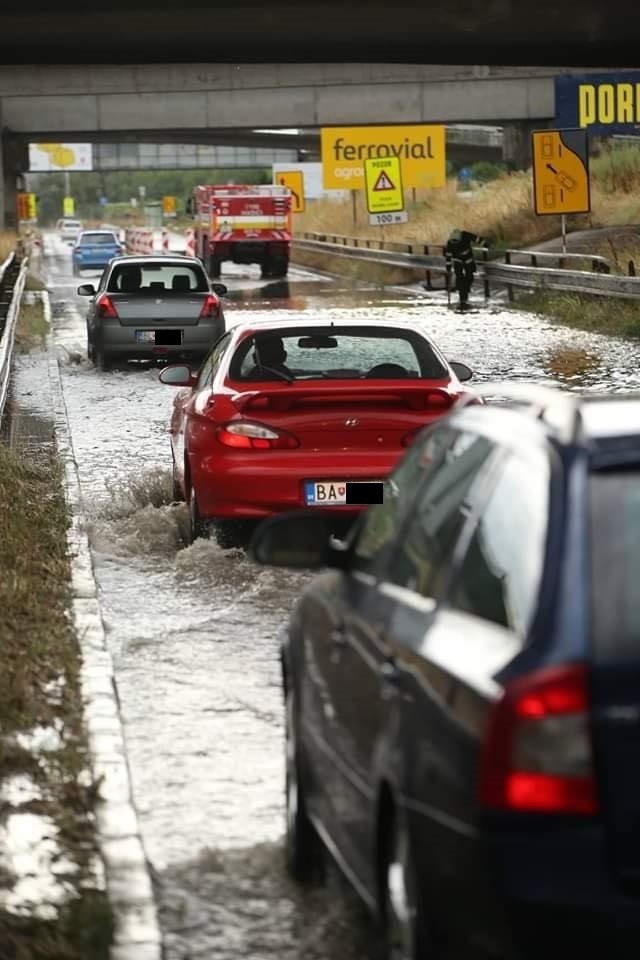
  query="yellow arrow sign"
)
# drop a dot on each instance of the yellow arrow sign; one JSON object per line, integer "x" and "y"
{"x": 294, "y": 179}
{"x": 383, "y": 181}
{"x": 560, "y": 171}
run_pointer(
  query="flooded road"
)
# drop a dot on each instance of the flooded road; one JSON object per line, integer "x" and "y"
{"x": 193, "y": 630}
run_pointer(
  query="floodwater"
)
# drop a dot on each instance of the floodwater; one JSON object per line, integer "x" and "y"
{"x": 193, "y": 629}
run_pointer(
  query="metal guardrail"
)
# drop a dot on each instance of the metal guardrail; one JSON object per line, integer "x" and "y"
{"x": 598, "y": 264}
{"x": 13, "y": 275}
{"x": 596, "y": 282}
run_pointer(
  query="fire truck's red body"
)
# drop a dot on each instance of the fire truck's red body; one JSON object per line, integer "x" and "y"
{"x": 244, "y": 224}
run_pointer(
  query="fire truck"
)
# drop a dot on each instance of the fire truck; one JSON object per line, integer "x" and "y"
{"x": 244, "y": 224}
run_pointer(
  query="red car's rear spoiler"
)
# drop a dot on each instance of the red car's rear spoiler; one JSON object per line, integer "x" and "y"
{"x": 284, "y": 397}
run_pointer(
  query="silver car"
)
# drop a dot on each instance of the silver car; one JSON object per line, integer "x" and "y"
{"x": 152, "y": 308}
{"x": 69, "y": 230}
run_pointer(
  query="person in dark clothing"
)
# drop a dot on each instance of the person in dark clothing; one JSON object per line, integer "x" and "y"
{"x": 458, "y": 252}
{"x": 269, "y": 356}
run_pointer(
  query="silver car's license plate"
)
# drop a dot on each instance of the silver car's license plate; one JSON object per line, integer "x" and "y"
{"x": 145, "y": 336}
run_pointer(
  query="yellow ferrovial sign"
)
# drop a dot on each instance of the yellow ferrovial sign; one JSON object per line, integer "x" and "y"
{"x": 560, "y": 171}
{"x": 383, "y": 180}
{"x": 294, "y": 179}
{"x": 68, "y": 206}
{"x": 419, "y": 148}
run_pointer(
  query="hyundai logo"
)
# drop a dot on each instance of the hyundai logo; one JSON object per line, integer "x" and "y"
{"x": 351, "y": 422}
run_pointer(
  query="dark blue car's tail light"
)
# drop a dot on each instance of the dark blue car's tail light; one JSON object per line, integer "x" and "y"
{"x": 537, "y": 754}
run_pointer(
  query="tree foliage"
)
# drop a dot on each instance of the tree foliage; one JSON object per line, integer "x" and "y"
{"x": 119, "y": 186}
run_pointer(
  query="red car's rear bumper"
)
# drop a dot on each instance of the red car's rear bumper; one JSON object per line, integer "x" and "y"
{"x": 258, "y": 483}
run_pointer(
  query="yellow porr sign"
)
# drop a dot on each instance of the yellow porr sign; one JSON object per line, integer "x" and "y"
{"x": 420, "y": 150}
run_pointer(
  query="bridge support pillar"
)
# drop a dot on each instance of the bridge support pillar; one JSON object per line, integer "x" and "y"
{"x": 14, "y": 163}
{"x": 516, "y": 142}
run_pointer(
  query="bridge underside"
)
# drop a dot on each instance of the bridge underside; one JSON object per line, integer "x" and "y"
{"x": 306, "y": 142}
{"x": 574, "y": 32}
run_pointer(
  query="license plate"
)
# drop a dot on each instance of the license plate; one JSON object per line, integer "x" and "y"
{"x": 145, "y": 336}
{"x": 332, "y": 493}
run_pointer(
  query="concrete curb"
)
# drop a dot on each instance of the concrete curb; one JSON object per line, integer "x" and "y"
{"x": 128, "y": 876}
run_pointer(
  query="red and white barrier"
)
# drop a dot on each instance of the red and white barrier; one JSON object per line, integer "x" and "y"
{"x": 138, "y": 240}
{"x": 143, "y": 241}
{"x": 190, "y": 246}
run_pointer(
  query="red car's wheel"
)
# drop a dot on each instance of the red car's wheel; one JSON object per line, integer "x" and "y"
{"x": 176, "y": 494}
{"x": 199, "y": 527}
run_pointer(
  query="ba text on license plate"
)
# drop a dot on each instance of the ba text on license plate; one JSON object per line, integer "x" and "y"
{"x": 325, "y": 493}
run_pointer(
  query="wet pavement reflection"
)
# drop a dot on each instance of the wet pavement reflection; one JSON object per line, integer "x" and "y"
{"x": 193, "y": 629}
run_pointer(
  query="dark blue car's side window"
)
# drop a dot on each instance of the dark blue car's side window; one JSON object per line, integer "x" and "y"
{"x": 377, "y": 533}
{"x": 501, "y": 573}
{"x": 424, "y": 557}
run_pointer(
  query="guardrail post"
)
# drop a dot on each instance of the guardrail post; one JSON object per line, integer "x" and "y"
{"x": 485, "y": 258}
{"x": 632, "y": 268}
{"x": 534, "y": 260}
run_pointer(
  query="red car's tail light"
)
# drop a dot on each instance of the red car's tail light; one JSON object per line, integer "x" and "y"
{"x": 105, "y": 307}
{"x": 210, "y": 307}
{"x": 246, "y": 435}
{"x": 537, "y": 755}
{"x": 443, "y": 400}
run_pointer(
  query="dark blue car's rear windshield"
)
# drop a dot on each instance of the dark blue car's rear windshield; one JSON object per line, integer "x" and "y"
{"x": 615, "y": 562}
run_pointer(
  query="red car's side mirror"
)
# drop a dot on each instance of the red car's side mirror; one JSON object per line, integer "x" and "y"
{"x": 178, "y": 375}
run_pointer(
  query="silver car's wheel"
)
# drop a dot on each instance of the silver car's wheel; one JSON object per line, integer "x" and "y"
{"x": 305, "y": 857}
{"x": 101, "y": 360}
{"x": 401, "y": 921}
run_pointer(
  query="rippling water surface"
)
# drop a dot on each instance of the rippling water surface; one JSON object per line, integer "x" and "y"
{"x": 193, "y": 629}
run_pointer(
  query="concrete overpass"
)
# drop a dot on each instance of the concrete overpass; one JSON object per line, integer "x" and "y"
{"x": 205, "y": 103}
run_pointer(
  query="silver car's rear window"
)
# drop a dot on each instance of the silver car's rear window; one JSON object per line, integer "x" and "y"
{"x": 157, "y": 278}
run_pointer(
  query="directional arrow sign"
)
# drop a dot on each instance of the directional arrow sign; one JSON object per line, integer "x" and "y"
{"x": 383, "y": 181}
{"x": 560, "y": 171}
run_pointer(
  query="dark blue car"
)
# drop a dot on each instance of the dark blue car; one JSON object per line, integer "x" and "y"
{"x": 462, "y": 686}
{"x": 94, "y": 249}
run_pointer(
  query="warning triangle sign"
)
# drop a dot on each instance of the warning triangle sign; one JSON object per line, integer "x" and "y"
{"x": 383, "y": 182}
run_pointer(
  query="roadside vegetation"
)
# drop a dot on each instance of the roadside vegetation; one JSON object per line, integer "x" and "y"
{"x": 44, "y": 756}
{"x": 8, "y": 241}
{"x": 500, "y": 208}
{"x": 584, "y": 312}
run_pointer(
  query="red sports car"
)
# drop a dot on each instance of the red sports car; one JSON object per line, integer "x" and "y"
{"x": 292, "y": 414}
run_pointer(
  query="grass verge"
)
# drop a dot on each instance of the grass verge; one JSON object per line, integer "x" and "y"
{"x": 43, "y": 744}
{"x": 40, "y": 693}
{"x": 599, "y": 314}
{"x": 32, "y": 327}
{"x": 8, "y": 242}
